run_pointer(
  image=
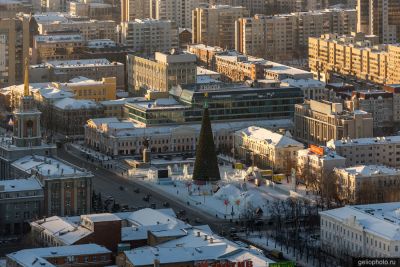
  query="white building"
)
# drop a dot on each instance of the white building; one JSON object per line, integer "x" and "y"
{"x": 362, "y": 231}
{"x": 374, "y": 150}
{"x": 368, "y": 184}
{"x": 179, "y": 11}
{"x": 114, "y": 137}
{"x": 267, "y": 148}
{"x": 149, "y": 35}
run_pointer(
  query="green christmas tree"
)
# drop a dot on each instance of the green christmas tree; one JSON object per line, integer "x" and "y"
{"x": 206, "y": 164}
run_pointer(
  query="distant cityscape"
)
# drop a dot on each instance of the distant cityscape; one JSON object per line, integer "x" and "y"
{"x": 171, "y": 133}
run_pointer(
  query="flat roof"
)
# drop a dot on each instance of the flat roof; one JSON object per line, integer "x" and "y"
{"x": 17, "y": 185}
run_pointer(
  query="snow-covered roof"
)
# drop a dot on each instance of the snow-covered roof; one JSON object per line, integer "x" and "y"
{"x": 71, "y": 103}
{"x": 369, "y": 170}
{"x": 47, "y": 90}
{"x": 48, "y": 167}
{"x": 18, "y": 185}
{"x": 81, "y": 63}
{"x": 66, "y": 230}
{"x": 59, "y": 38}
{"x": 122, "y": 101}
{"x": 161, "y": 103}
{"x": 100, "y": 121}
{"x": 267, "y": 136}
{"x": 101, "y": 217}
{"x": 37, "y": 256}
{"x": 148, "y": 217}
{"x": 206, "y": 79}
{"x": 364, "y": 141}
{"x": 381, "y": 219}
{"x": 328, "y": 154}
{"x": 194, "y": 247}
{"x": 304, "y": 83}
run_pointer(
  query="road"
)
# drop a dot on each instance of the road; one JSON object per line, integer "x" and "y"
{"x": 109, "y": 184}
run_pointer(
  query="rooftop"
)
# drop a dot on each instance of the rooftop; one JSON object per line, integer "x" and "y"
{"x": 18, "y": 185}
{"x": 269, "y": 137}
{"x": 370, "y": 170}
{"x": 364, "y": 141}
{"x": 71, "y": 103}
{"x": 37, "y": 256}
{"x": 48, "y": 167}
{"x": 79, "y": 63}
{"x": 328, "y": 154}
{"x": 381, "y": 219}
{"x": 59, "y": 38}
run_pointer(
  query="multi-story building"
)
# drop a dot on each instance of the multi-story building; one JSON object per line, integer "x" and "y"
{"x": 56, "y": 47}
{"x": 215, "y": 25}
{"x": 235, "y": 67}
{"x": 114, "y": 137}
{"x": 365, "y": 184}
{"x": 266, "y": 148}
{"x": 147, "y": 36}
{"x": 88, "y": 29}
{"x": 315, "y": 163}
{"x": 353, "y": 55}
{"x": 135, "y": 9}
{"x": 284, "y": 6}
{"x": 253, "y": 6}
{"x": 9, "y": 9}
{"x": 179, "y": 11}
{"x": 162, "y": 72}
{"x": 67, "y": 188}
{"x": 97, "y": 10}
{"x": 318, "y": 122}
{"x": 379, "y": 17}
{"x": 65, "y": 70}
{"x": 312, "y": 89}
{"x": 226, "y": 102}
{"x": 78, "y": 255}
{"x": 282, "y": 37}
{"x": 21, "y": 201}
{"x": 14, "y": 48}
{"x": 369, "y": 151}
{"x": 54, "y": 5}
{"x": 361, "y": 231}
{"x": 205, "y": 54}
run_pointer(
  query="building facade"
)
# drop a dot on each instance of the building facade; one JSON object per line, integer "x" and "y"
{"x": 282, "y": 37}
{"x": 215, "y": 25}
{"x": 147, "y": 36}
{"x": 318, "y": 122}
{"x": 135, "y": 9}
{"x": 162, "y": 72}
{"x": 267, "y": 149}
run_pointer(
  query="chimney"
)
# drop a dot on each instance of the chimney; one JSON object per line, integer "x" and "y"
{"x": 205, "y": 237}
{"x": 198, "y": 234}
{"x": 211, "y": 240}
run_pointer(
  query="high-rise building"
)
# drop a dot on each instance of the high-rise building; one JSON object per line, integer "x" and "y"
{"x": 283, "y": 37}
{"x": 14, "y": 48}
{"x": 179, "y": 11}
{"x": 148, "y": 36}
{"x": 135, "y": 9}
{"x": 381, "y": 18}
{"x": 215, "y": 25}
{"x": 253, "y": 6}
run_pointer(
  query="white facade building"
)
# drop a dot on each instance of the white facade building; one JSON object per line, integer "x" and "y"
{"x": 362, "y": 231}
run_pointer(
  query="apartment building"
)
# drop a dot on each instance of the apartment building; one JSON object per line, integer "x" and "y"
{"x": 361, "y": 231}
{"x": 135, "y": 9}
{"x": 178, "y": 11}
{"x": 318, "y": 122}
{"x": 365, "y": 184}
{"x": 380, "y": 18}
{"x": 147, "y": 36}
{"x": 162, "y": 72}
{"x": 88, "y": 29}
{"x": 368, "y": 151}
{"x": 21, "y": 200}
{"x": 56, "y": 47}
{"x": 64, "y": 71}
{"x": 266, "y": 149}
{"x": 14, "y": 48}
{"x": 282, "y": 37}
{"x": 97, "y": 10}
{"x": 215, "y": 25}
{"x": 205, "y": 54}
{"x": 355, "y": 55}
{"x": 9, "y": 9}
{"x": 78, "y": 255}
{"x": 284, "y": 6}
{"x": 253, "y": 6}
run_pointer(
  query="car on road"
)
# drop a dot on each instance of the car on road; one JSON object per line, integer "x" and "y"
{"x": 181, "y": 213}
{"x": 146, "y": 198}
{"x": 197, "y": 220}
{"x": 137, "y": 190}
{"x": 165, "y": 204}
{"x": 153, "y": 205}
{"x": 121, "y": 188}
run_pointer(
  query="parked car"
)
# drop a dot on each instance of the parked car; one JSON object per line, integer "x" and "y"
{"x": 166, "y": 204}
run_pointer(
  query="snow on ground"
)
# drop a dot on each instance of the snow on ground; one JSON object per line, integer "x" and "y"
{"x": 234, "y": 199}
